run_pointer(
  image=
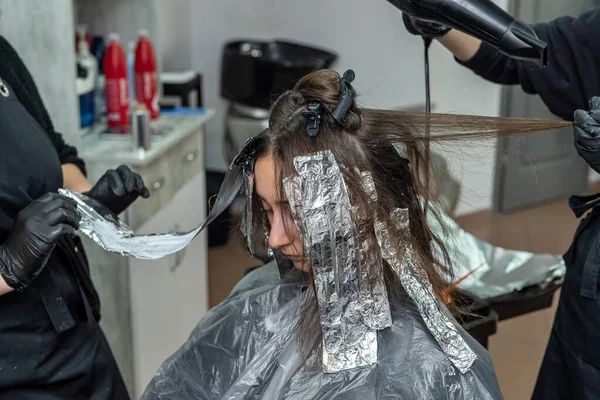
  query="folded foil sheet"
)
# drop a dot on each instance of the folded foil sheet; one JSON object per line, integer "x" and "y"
{"x": 499, "y": 271}
{"x": 415, "y": 283}
{"x": 373, "y": 293}
{"x": 247, "y": 225}
{"x": 110, "y": 233}
{"x": 348, "y": 342}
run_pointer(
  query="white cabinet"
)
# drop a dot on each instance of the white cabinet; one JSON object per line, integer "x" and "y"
{"x": 150, "y": 307}
{"x": 170, "y": 295}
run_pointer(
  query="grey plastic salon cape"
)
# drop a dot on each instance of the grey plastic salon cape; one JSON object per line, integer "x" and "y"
{"x": 247, "y": 348}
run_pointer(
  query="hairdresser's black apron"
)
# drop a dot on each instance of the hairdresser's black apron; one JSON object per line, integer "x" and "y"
{"x": 571, "y": 366}
{"x": 51, "y": 346}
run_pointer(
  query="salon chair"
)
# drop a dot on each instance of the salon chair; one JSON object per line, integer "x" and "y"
{"x": 253, "y": 73}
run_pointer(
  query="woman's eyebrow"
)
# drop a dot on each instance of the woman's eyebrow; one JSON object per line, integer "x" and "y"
{"x": 278, "y": 202}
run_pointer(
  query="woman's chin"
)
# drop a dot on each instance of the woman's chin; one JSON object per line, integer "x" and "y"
{"x": 301, "y": 265}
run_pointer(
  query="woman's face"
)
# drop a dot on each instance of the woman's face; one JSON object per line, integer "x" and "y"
{"x": 278, "y": 212}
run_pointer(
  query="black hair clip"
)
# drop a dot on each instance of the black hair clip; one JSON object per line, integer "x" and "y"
{"x": 313, "y": 118}
{"x": 346, "y": 97}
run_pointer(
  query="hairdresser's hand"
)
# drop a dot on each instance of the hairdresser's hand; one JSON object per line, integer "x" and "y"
{"x": 587, "y": 134}
{"x": 423, "y": 28}
{"x": 118, "y": 189}
{"x": 36, "y": 230}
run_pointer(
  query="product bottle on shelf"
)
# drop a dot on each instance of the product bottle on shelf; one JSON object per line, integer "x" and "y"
{"x": 86, "y": 87}
{"x": 98, "y": 50}
{"x": 117, "y": 88}
{"x": 146, "y": 75}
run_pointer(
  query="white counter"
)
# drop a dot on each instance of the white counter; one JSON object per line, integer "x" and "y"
{"x": 99, "y": 147}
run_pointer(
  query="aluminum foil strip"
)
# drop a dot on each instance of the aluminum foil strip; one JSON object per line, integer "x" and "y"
{"x": 104, "y": 228}
{"x": 373, "y": 293}
{"x": 246, "y": 225}
{"x": 334, "y": 255}
{"x": 499, "y": 271}
{"x": 421, "y": 292}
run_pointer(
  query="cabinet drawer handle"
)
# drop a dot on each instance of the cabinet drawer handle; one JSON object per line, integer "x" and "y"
{"x": 158, "y": 184}
{"x": 190, "y": 157}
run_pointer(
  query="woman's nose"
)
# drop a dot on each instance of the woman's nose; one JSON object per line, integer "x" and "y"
{"x": 278, "y": 236}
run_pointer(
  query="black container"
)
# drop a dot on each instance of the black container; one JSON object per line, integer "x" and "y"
{"x": 525, "y": 301}
{"x": 253, "y": 71}
{"x": 478, "y": 317}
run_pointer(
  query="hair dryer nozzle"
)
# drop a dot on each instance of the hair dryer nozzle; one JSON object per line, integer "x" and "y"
{"x": 520, "y": 41}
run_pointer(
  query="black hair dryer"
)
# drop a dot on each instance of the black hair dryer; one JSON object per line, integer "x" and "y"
{"x": 481, "y": 19}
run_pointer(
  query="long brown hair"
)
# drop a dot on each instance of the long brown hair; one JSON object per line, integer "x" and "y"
{"x": 371, "y": 140}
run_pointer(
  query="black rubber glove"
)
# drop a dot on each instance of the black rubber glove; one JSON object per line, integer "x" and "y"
{"x": 423, "y": 28}
{"x": 587, "y": 134}
{"x": 118, "y": 189}
{"x": 36, "y": 230}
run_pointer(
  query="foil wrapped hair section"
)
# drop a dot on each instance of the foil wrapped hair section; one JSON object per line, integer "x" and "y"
{"x": 418, "y": 287}
{"x": 373, "y": 293}
{"x": 353, "y": 304}
{"x": 333, "y": 251}
{"x": 247, "y": 222}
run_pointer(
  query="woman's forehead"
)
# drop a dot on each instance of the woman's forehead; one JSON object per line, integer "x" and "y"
{"x": 264, "y": 177}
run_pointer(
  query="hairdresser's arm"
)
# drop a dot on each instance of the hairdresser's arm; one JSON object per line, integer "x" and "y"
{"x": 571, "y": 76}
{"x": 463, "y": 46}
{"x": 74, "y": 179}
{"x": 4, "y": 288}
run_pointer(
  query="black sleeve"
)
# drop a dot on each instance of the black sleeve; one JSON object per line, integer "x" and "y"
{"x": 16, "y": 74}
{"x": 572, "y": 74}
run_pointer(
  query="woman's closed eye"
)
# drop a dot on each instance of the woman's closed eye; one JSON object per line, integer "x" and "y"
{"x": 266, "y": 207}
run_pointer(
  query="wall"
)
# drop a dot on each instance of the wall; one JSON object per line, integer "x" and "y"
{"x": 175, "y": 39}
{"x": 42, "y": 34}
{"x": 125, "y": 17}
{"x": 370, "y": 38}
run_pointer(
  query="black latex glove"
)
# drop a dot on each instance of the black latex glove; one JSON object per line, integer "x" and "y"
{"x": 423, "y": 28}
{"x": 36, "y": 230}
{"x": 117, "y": 189}
{"x": 587, "y": 134}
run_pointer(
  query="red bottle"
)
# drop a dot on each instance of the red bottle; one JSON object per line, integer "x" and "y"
{"x": 117, "y": 89}
{"x": 146, "y": 76}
